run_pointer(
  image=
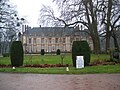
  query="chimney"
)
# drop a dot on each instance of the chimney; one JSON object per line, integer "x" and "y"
{"x": 23, "y": 29}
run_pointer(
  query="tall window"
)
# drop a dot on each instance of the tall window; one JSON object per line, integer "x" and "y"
{"x": 30, "y": 40}
{"x": 53, "y": 41}
{"x": 63, "y": 40}
{"x": 71, "y": 40}
{"x": 49, "y": 40}
{"x": 49, "y": 48}
{"x": 42, "y": 40}
{"x": 34, "y": 41}
{"x": 56, "y": 40}
{"x": 38, "y": 40}
{"x": 42, "y": 46}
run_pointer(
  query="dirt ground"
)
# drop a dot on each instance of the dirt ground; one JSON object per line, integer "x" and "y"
{"x": 14, "y": 81}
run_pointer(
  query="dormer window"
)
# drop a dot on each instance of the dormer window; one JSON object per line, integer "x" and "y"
{"x": 42, "y": 34}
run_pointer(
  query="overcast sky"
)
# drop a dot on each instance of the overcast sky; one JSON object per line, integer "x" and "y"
{"x": 30, "y": 9}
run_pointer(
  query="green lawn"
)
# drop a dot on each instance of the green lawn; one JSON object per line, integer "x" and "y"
{"x": 62, "y": 70}
{"x": 55, "y": 59}
{"x": 47, "y": 59}
{"x": 52, "y": 59}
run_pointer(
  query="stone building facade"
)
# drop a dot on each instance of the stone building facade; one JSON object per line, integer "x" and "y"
{"x": 52, "y": 38}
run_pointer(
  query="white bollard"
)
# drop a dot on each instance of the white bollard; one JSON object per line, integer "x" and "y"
{"x": 67, "y": 68}
{"x": 13, "y": 68}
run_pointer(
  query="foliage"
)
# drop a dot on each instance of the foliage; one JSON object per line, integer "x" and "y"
{"x": 81, "y": 48}
{"x": 16, "y": 53}
{"x": 42, "y": 52}
{"x": 58, "y": 52}
{"x": 62, "y": 58}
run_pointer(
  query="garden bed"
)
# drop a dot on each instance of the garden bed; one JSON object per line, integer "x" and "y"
{"x": 95, "y": 63}
{"x": 38, "y": 65}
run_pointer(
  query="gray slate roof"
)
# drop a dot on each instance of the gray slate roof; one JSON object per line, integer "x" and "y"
{"x": 52, "y": 31}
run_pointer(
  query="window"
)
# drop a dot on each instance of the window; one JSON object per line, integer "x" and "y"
{"x": 34, "y": 40}
{"x": 53, "y": 48}
{"x": 77, "y": 39}
{"x": 60, "y": 40}
{"x": 49, "y": 48}
{"x": 53, "y": 40}
{"x": 56, "y": 40}
{"x": 38, "y": 41}
{"x": 46, "y": 40}
{"x": 57, "y": 47}
{"x": 71, "y": 40}
{"x": 49, "y": 40}
{"x": 42, "y": 34}
{"x": 42, "y": 46}
{"x": 42, "y": 40}
{"x": 63, "y": 40}
{"x": 30, "y": 40}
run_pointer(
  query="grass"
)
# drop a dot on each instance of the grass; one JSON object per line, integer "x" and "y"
{"x": 54, "y": 59}
{"x": 62, "y": 70}
{"x": 47, "y": 59}
{"x": 51, "y": 59}
{"x": 38, "y": 59}
{"x": 100, "y": 57}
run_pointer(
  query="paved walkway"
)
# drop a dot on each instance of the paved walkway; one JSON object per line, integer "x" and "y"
{"x": 14, "y": 81}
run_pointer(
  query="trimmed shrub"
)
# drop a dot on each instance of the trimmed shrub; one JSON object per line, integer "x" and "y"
{"x": 16, "y": 53}
{"x": 116, "y": 54}
{"x": 42, "y": 52}
{"x": 58, "y": 52}
{"x": 81, "y": 48}
{"x": 6, "y": 54}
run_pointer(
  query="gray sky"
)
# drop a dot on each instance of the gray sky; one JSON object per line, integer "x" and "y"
{"x": 30, "y": 9}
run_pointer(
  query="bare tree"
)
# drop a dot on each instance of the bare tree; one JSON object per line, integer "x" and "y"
{"x": 82, "y": 12}
{"x": 9, "y": 23}
{"x": 110, "y": 12}
{"x": 47, "y": 17}
{"x": 92, "y": 14}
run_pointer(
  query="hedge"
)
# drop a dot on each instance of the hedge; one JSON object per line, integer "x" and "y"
{"x": 81, "y": 48}
{"x": 16, "y": 53}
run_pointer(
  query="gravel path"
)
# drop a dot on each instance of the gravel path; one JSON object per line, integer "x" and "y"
{"x": 14, "y": 81}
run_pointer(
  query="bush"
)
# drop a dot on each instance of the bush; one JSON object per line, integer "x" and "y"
{"x": 116, "y": 54}
{"x": 16, "y": 53}
{"x": 42, "y": 52}
{"x": 58, "y": 52}
{"x": 6, "y": 54}
{"x": 81, "y": 48}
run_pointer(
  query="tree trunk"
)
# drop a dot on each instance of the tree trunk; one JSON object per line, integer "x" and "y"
{"x": 0, "y": 48}
{"x": 115, "y": 41}
{"x": 108, "y": 33}
{"x": 92, "y": 25}
{"x": 96, "y": 44}
{"x": 107, "y": 41}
